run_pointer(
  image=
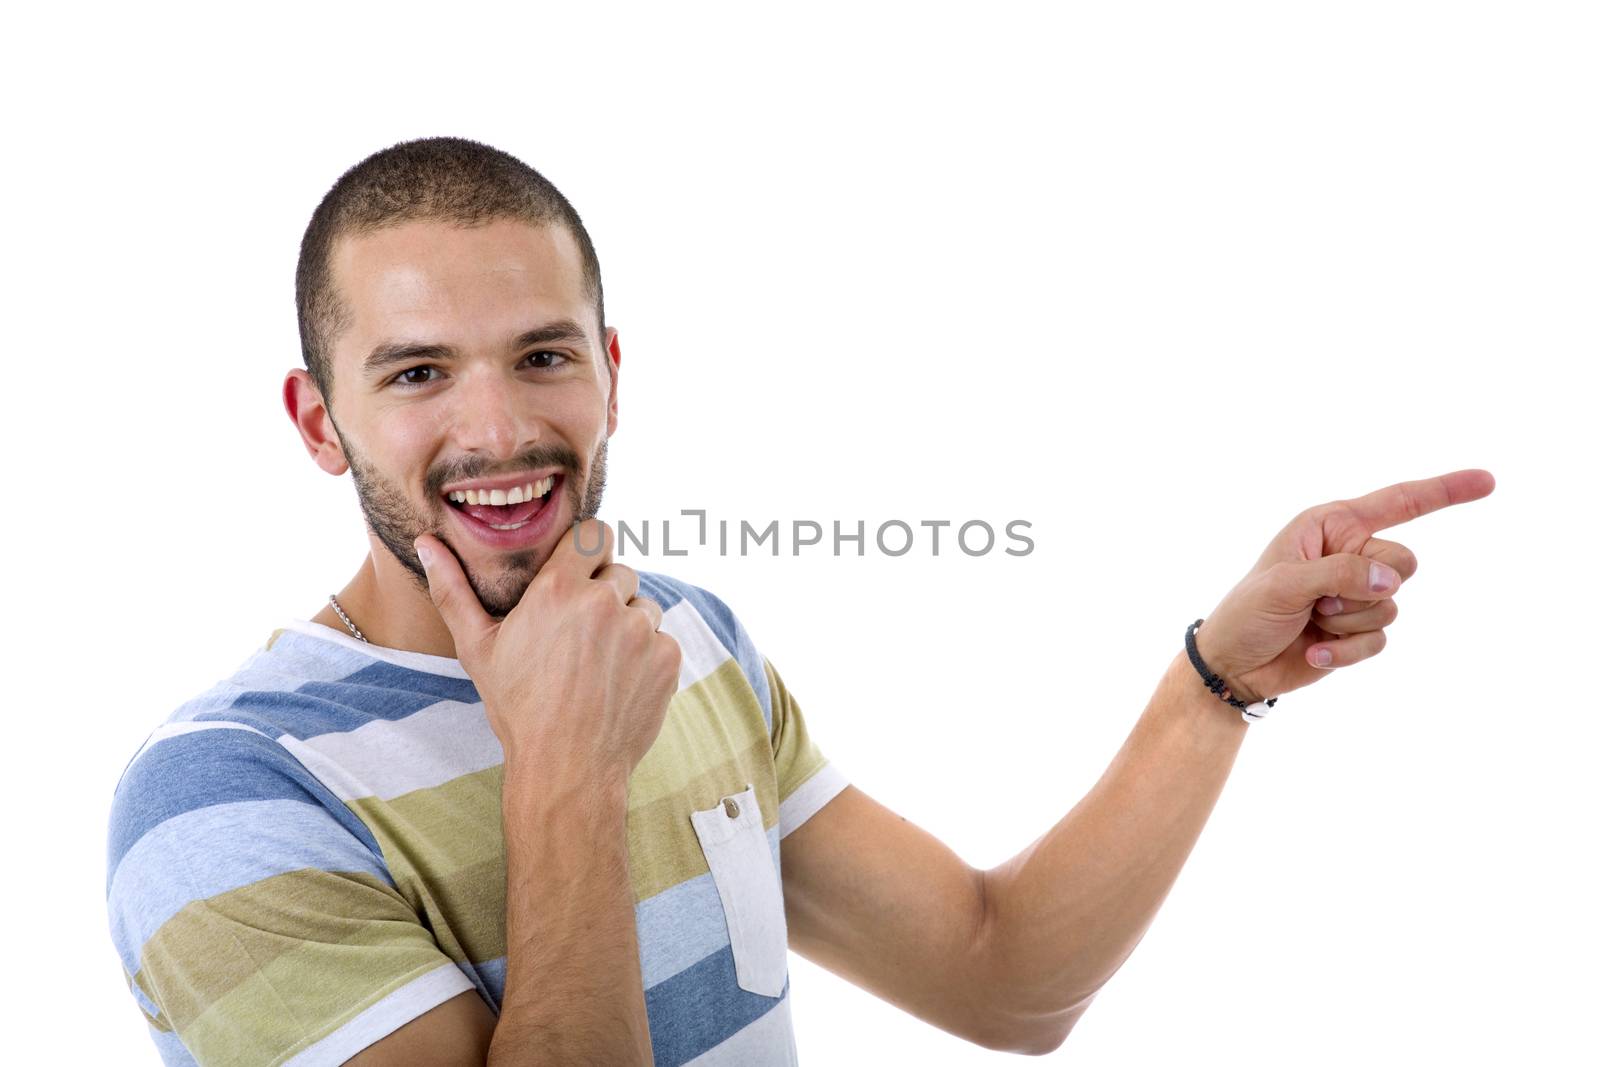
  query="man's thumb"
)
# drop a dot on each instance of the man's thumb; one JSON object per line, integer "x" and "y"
{"x": 1349, "y": 575}
{"x": 458, "y": 605}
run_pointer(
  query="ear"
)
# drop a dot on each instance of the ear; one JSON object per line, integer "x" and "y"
{"x": 614, "y": 356}
{"x": 309, "y": 414}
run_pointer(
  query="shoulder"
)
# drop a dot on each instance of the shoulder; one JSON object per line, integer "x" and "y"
{"x": 216, "y": 775}
{"x": 222, "y": 752}
{"x": 708, "y": 630}
{"x": 670, "y": 592}
{"x": 194, "y": 777}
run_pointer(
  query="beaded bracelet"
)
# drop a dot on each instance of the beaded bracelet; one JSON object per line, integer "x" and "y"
{"x": 1249, "y": 712}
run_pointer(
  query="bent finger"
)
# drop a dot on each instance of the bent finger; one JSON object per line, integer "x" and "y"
{"x": 1375, "y": 617}
{"x": 650, "y": 608}
{"x": 1344, "y": 651}
{"x": 621, "y": 577}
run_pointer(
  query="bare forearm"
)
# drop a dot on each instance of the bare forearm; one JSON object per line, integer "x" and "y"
{"x": 573, "y": 992}
{"x": 1066, "y": 913}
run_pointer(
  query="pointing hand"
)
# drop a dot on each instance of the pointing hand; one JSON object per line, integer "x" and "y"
{"x": 1318, "y": 588}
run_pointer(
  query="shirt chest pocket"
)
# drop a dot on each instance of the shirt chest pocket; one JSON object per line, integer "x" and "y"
{"x": 736, "y": 849}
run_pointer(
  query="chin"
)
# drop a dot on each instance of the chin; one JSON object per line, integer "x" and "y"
{"x": 498, "y": 597}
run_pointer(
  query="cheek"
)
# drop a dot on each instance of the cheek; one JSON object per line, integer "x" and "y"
{"x": 405, "y": 447}
{"x": 577, "y": 419}
{"x": 406, "y": 439}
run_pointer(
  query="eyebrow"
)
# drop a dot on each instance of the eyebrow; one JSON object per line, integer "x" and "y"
{"x": 388, "y": 353}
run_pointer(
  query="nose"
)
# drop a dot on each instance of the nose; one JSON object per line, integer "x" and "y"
{"x": 491, "y": 417}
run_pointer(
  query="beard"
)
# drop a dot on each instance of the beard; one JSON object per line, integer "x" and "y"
{"x": 396, "y": 521}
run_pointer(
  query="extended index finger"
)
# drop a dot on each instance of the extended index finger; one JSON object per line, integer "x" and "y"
{"x": 1405, "y": 501}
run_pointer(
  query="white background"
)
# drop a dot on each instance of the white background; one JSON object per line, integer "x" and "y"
{"x": 1154, "y": 278}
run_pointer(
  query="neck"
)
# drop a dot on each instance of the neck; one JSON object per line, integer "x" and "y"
{"x": 387, "y": 607}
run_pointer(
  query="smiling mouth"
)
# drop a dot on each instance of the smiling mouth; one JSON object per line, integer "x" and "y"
{"x": 503, "y": 509}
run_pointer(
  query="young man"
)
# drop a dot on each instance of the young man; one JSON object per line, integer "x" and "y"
{"x": 505, "y": 800}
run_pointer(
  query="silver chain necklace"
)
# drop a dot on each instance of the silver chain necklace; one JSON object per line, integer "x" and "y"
{"x": 346, "y": 618}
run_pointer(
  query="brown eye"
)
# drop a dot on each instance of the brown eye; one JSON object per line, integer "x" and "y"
{"x": 546, "y": 365}
{"x": 403, "y": 377}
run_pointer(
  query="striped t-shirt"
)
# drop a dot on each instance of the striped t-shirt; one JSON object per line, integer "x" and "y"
{"x": 310, "y": 854}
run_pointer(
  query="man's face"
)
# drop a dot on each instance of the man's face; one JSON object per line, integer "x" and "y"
{"x": 439, "y": 384}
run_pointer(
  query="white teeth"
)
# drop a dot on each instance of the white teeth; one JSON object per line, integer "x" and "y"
{"x": 518, "y": 495}
{"x": 513, "y": 526}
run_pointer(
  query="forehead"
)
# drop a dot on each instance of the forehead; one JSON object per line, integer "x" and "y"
{"x": 440, "y": 282}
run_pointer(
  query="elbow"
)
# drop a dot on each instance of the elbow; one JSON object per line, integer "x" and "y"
{"x": 1036, "y": 1041}
{"x": 1041, "y": 1041}
{"x": 1036, "y": 1036}
{"x": 1016, "y": 1020}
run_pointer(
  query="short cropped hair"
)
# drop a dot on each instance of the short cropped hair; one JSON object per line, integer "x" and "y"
{"x": 444, "y": 179}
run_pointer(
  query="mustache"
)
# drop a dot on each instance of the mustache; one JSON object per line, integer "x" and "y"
{"x": 536, "y": 459}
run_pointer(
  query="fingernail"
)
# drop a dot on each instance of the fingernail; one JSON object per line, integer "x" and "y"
{"x": 1322, "y": 657}
{"x": 1382, "y": 578}
{"x": 424, "y": 553}
{"x": 1330, "y": 605}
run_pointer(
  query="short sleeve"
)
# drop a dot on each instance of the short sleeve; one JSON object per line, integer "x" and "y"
{"x": 806, "y": 779}
{"x": 253, "y": 913}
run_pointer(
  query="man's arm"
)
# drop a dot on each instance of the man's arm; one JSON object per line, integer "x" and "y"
{"x": 1052, "y": 925}
{"x": 574, "y": 993}
{"x": 1064, "y": 914}
{"x": 575, "y": 683}
{"x": 879, "y": 901}
{"x": 1009, "y": 958}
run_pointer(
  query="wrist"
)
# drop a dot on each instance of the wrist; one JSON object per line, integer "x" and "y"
{"x": 599, "y": 789}
{"x": 1188, "y": 690}
{"x": 1230, "y": 678}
